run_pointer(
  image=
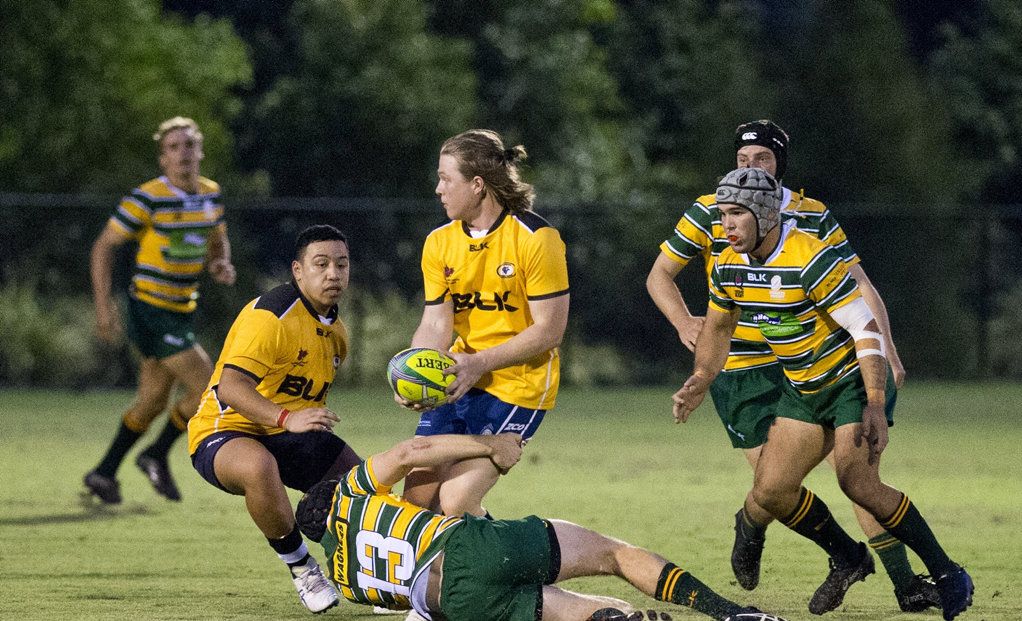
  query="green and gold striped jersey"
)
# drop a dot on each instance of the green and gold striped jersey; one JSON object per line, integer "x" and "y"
{"x": 789, "y": 298}
{"x": 172, "y": 228}
{"x": 377, "y": 543}
{"x": 699, "y": 232}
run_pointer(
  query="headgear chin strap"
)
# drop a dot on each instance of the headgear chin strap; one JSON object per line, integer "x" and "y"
{"x": 765, "y": 133}
{"x": 757, "y": 191}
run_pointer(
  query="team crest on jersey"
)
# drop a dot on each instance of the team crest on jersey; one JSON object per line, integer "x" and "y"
{"x": 448, "y": 272}
{"x": 739, "y": 291}
{"x": 337, "y": 361}
{"x": 775, "y": 288}
{"x": 300, "y": 360}
{"x": 506, "y": 270}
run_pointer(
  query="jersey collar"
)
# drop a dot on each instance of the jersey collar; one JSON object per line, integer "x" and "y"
{"x": 496, "y": 223}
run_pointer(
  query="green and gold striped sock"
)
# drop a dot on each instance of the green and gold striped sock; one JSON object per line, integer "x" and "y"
{"x": 680, "y": 587}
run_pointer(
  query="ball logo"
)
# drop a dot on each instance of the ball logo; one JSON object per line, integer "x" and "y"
{"x": 506, "y": 270}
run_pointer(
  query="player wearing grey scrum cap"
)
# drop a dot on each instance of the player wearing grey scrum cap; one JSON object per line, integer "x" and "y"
{"x": 798, "y": 293}
{"x": 745, "y": 395}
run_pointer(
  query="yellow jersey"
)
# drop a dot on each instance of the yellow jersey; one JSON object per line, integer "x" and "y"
{"x": 172, "y": 228}
{"x": 490, "y": 281}
{"x": 292, "y": 353}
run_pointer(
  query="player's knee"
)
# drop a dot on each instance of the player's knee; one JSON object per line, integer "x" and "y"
{"x": 770, "y": 494}
{"x": 141, "y": 415}
{"x": 856, "y": 487}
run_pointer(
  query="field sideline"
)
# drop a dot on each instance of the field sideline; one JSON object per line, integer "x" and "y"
{"x": 608, "y": 459}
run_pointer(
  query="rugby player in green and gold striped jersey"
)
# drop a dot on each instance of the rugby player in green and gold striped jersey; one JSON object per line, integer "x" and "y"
{"x": 746, "y": 393}
{"x": 177, "y": 222}
{"x": 386, "y": 551}
{"x": 838, "y": 394}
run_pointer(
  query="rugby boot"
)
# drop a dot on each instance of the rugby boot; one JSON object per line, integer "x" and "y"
{"x": 107, "y": 489}
{"x": 315, "y": 591}
{"x": 751, "y": 613}
{"x": 956, "y": 589}
{"x": 841, "y": 577}
{"x": 921, "y": 593}
{"x": 746, "y": 553}
{"x": 158, "y": 473}
{"x": 380, "y": 610}
{"x": 615, "y": 614}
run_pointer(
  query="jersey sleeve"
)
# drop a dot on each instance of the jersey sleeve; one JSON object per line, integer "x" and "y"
{"x": 132, "y": 216}
{"x": 546, "y": 266}
{"x": 361, "y": 481}
{"x": 692, "y": 234}
{"x": 434, "y": 283}
{"x": 255, "y": 345}
{"x": 827, "y": 282}
{"x": 719, "y": 298}
{"x": 832, "y": 233}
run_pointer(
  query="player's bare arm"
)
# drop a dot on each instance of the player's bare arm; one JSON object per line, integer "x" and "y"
{"x": 876, "y": 304}
{"x": 393, "y": 465}
{"x": 218, "y": 259}
{"x": 873, "y": 367}
{"x": 711, "y": 354}
{"x": 101, "y": 266}
{"x": 667, "y": 296}
{"x": 550, "y": 317}
{"x": 239, "y": 392}
{"x": 434, "y": 331}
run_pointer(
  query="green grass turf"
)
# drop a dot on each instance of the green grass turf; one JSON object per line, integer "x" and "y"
{"x": 610, "y": 460}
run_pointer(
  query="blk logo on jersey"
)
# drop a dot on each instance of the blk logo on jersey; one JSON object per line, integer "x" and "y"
{"x": 477, "y": 300}
{"x": 298, "y": 386}
{"x": 757, "y": 278}
{"x": 478, "y": 247}
{"x": 506, "y": 270}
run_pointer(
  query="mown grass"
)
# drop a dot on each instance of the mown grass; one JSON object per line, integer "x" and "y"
{"x": 608, "y": 459}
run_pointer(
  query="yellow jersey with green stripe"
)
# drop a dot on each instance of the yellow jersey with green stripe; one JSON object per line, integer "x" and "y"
{"x": 789, "y": 298}
{"x": 172, "y": 228}
{"x": 287, "y": 348}
{"x": 377, "y": 544}
{"x": 490, "y": 280}
{"x": 699, "y": 232}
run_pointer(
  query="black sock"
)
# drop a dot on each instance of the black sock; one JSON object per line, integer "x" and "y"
{"x": 291, "y": 548}
{"x": 909, "y": 526}
{"x": 750, "y": 529}
{"x": 123, "y": 441}
{"x": 160, "y": 447}
{"x": 680, "y": 587}
{"x": 813, "y": 520}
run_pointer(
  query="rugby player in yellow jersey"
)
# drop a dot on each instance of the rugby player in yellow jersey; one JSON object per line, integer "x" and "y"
{"x": 263, "y": 424}
{"x": 386, "y": 551}
{"x": 177, "y": 221}
{"x": 837, "y": 396}
{"x": 746, "y": 393}
{"x": 496, "y": 276}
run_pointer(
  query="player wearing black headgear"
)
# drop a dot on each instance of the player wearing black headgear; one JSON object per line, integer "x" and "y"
{"x": 762, "y": 133}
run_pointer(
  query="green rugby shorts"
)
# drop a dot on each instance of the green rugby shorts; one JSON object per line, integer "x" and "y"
{"x": 839, "y": 404}
{"x": 746, "y": 402}
{"x": 157, "y": 332}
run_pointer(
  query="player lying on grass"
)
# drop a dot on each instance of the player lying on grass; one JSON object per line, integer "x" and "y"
{"x": 385, "y": 551}
{"x": 838, "y": 394}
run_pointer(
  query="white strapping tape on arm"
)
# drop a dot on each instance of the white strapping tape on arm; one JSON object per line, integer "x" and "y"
{"x": 854, "y": 317}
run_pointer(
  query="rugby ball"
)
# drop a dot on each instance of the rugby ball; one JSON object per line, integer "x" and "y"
{"x": 417, "y": 374}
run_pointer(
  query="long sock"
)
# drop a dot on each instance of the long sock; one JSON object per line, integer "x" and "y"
{"x": 893, "y": 555}
{"x": 813, "y": 520}
{"x": 680, "y": 587}
{"x": 160, "y": 447}
{"x": 123, "y": 441}
{"x": 909, "y": 526}
{"x": 291, "y": 548}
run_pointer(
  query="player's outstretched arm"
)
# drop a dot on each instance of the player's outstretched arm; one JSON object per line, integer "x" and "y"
{"x": 667, "y": 296}
{"x": 711, "y": 354}
{"x": 391, "y": 466}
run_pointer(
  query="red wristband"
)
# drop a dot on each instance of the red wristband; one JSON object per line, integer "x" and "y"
{"x": 282, "y": 417}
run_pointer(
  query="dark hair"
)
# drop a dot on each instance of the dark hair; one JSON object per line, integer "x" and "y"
{"x": 316, "y": 233}
{"x": 765, "y": 133}
{"x": 313, "y": 509}
{"x": 481, "y": 153}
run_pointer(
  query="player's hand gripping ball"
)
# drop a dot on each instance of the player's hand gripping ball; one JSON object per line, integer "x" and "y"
{"x": 417, "y": 374}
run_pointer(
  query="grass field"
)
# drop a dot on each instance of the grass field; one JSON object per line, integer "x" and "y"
{"x": 610, "y": 460}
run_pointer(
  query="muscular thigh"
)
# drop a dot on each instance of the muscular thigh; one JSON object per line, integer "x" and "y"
{"x": 191, "y": 367}
{"x": 793, "y": 449}
{"x": 243, "y": 463}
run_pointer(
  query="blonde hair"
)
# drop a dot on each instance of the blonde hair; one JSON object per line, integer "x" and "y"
{"x": 481, "y": 153}
{"x": 178, "y": 122}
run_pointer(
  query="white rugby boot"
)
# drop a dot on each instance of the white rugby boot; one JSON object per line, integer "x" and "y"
{"x": 315, "y": 591}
